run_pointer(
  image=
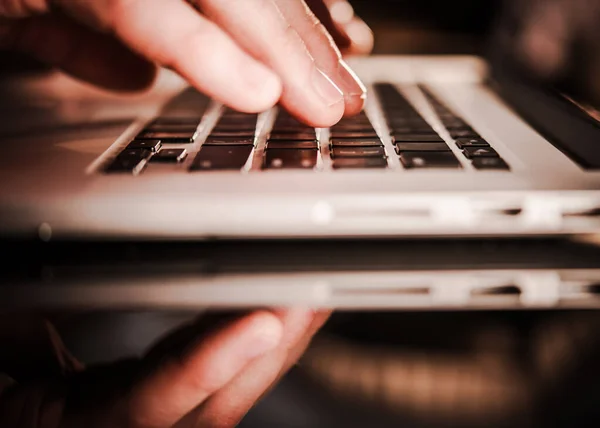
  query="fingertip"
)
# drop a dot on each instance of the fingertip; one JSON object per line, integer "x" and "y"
{"x": 354, "y": 105}
{"x": 361, "y": 37}
{"x": 266, "y": 330}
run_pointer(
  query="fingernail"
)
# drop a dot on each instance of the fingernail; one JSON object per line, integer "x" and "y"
{"x": 350, "y": 82}
{"x": 267, "y": 336}
{"x": 327, "y": 90}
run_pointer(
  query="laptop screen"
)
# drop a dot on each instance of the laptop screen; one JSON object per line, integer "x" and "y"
{"x": 546, "y": 58}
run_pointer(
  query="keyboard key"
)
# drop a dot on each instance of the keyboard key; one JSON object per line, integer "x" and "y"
{"x": 293, "y": 144}
{"x": 244, "y": 134}
{"x": 464, "y": 134}
{"x": 130, "y": 161}
{"x": 245, "y": 127}
{"x": 284, "y": 159}
{"x": 357, "y": 142}
{"x": 298, "y": 136}
{"x": 169, "y": 156}
{"x": 184, "y": 122}
{"x": 422, "y": 147}
{"x": 422, "y": 160}
{"x": 455, "y": 123}
{"x": 356, "y": 127}
{"x": 167, "y": 137}
{"x": 225, "y": 141}
{"x": 464, "y": 143}
{"x": 189, "y": 104}
{"x": 357, "y": 152}
{"x": 417, "y": 138}
{"x": 480, "y": 152}
{"x": 490, "y": 163}
{"x": 173, "y": 128}
{"x": 221, "y": 158}
{"x": 359, "y": 163}
{"x": 354, "y": 134}
{"x": 412, "y": 130}
{"x": 152, "y": 145}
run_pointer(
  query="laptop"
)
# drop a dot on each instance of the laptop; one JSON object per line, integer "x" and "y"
{"x": 447, "y": 146}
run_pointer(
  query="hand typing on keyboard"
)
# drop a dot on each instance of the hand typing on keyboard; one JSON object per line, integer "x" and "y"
{"x": 248, "y": 54}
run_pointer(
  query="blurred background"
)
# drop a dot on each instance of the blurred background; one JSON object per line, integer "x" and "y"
{"x": 428, "y": 26}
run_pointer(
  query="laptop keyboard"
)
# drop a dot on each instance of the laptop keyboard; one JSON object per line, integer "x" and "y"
{"x": 353, "y": 143}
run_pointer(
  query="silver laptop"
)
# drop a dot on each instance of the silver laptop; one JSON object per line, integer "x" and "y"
{"x": 446, "y": 146}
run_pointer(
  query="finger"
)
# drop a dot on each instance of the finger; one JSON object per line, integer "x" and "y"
{"x": 173, "y": 34}
{"x": 355, "y": 35}
{"x": 326, "y": 55}
{"x": 259, "y": 27}
{"x": 180, "y": 384}
{"x": 323, "y": 13}
{"x": 230, "y": 404}
{"x": 95, "y": 58}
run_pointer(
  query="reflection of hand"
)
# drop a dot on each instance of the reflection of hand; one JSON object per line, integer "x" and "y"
{"x": 247, "y": 54}
{"x": 181, "y": 382}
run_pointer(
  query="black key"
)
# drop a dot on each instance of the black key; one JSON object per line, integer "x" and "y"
{"x": 236, "y": 126}
{"x": 218, "y": 141}
{"x": 490, "y": 163}
{"x": 407, "y": 121}
{"x": 135, "y": 153}
{"x": 288, "y": 121}
{"x": 152, "y": 145}
{"x": 297, "y": 159}
{"x": 357, "y": 142}
{"x": 189, "y": 104}
{"x": 172, "y": 128}
{"x": 365, "y": 123}
{"x": 184, "y": 122}
{"x": 464, "y": 143}
{"x": 359, "y": 163}
{"x": 292, "y": 144}
{"x": 243, "y": 134}
{"x": 292, "y": 129}
{"x": 236, "y": 118}
{"x": 298, "y": 136}
{"x": 226, "y": 127}
{"x": 455, "y": 123}
{"x": 170, "y": 156}
{"x": 353, "y": 128}
{"x": 480, "y": 152}
{"x": 422, "y": 147}
{"x": 167, "y": 137}
{"x": 354, "y": 134}
{"x": 460, "y": 129}
{"x": 464, "y": 134}
{"x": 130, "y": 160}
{"x": 403, "y": 130}
{"x": 357, "y": 152}
{"x": 418, "y": 160}
{"x": 417, "y": 138}
{"x": 221, "y": 158}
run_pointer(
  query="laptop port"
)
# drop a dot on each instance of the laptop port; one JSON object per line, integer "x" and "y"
{"x": 503, "y": 290}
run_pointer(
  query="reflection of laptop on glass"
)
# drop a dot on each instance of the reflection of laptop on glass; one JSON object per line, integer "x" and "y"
{"x": 438, "y": 153}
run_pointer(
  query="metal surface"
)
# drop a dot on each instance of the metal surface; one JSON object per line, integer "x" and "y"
{"x": 438, "y": 275}
{"x": 50, "y": 186}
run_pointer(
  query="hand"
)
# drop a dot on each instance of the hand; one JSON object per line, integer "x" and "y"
{"x": 247, "y": 54}
{"x": 183, "y": 382}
